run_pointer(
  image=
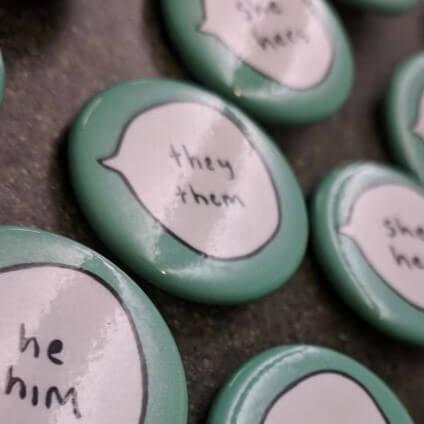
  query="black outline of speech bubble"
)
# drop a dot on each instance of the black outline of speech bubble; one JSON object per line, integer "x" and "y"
{"x": 307, "y": 4}
{"x": 296, "y": 383}
{"x": 111, "y": 290}
{"x": 359, "y": 247}
{"x": 418, "y": 116}
{"x": 239, "y": 125}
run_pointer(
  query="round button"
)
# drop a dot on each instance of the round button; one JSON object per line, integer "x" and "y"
{"x": 187, "y": 191}
{"x": 369, "y": 237}
{"x": 304, "y": 384}
{"x": 80, "y": 341}
{"x": 384, "y": 6}
{"x": 283, "y": 61}
{"x": 405, "y": 115}
{"x": 2, "y": 77}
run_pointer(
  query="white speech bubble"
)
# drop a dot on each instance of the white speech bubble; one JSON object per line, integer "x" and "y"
{"x": 325, "y": 398}
{"x": 387, "y": 223}
{"x": 69, "y": 353}
{"x": 285, "y": 40}
{"x": 419, "y": 124}
{"x": 196, "y": 173}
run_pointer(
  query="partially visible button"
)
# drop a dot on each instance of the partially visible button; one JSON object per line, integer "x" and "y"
{"x": 384, "y": 6}
{"x": 81, "y": 343}
{"x": 405, "y": 115}
{"x": 188, "y": 191}
{"x": 282, "y": 61}
{"x": 304, "y": 384}
{"x": 368, "y": 226}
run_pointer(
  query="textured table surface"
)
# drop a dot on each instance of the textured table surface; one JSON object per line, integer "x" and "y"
{"x": 60, "y": 52}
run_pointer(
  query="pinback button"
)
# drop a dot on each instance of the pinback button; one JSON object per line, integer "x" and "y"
{"x": 368, "y": 224}
{"x": 80, "y": 341}
{"x": 187, "y": 191}
{"x": 385, "y": 6}
{"x": 283, "y": 61}
{"x": 303, "y": 384}
{"x": 405, "y": 115}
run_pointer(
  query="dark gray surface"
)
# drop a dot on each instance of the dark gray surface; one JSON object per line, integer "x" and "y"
{"x": 60, "y": 52}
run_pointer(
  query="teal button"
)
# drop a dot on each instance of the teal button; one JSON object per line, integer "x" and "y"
{"x": 304, "y": 384}
{"x": 2, "y": 77}
{"x": 369, "y": 237}
{"x": 405, "y": 115}
{"x": 384, "y": 6}
{"x": 187, "y": 191}
{"x": 282, "y": 61}
{"x": 80, "y": 341}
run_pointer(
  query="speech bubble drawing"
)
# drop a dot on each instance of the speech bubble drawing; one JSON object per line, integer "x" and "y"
{"x": 196, "y": 172}
{"x": 325, "y": 398}
{"x": 387, "y": 224}
{"x": 419, "y": 124}
{"x": 70, "y": 353}
{"x": 285, "y": 40}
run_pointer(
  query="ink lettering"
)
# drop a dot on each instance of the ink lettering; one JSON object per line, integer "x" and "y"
{"x": 184, "y": 158}
{"x": 54, "y": 362}
{"x": 398, "y": 227}
{"x": 208, "y": 170}
{"x": 25, "y": 343}
{"x": 256, "y": 10}
{"x": 386, "y": 223}
{"x": 218, "y": 200}
{"x": 279, "y": 39}
{"x": 17, "y": 385}
{"x": 13, "y": 382}
{"x": 55, "y": 347}
{"x": 71, "y": 394}
{"x": 390, "y": 227}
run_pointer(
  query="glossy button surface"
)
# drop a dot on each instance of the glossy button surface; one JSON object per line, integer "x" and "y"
{"x": 368, "y": 225}
{"x": 405, "y": 115}
{"x": 283, "y": 61}
{"x": 187, "y": 191}
{"x": 81, "y": 343}
{"x": 385, "y": 6}
{"x": 303, "y": 384}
